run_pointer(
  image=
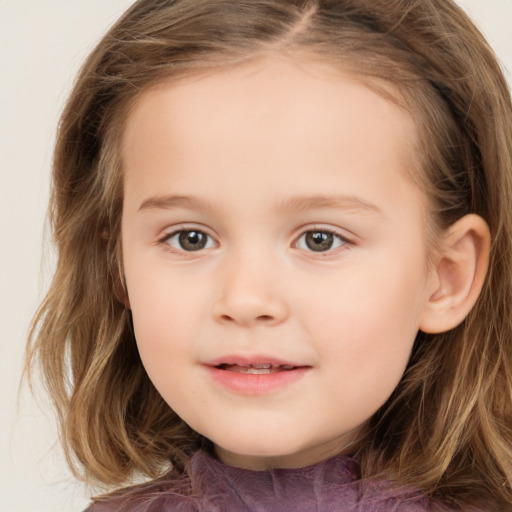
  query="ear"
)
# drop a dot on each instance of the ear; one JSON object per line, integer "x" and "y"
{"x": 121, "y": 293}
{"x": 120, "y": 289}
{"x": 458, "y": 276}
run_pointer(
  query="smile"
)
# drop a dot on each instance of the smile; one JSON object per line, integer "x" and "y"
{"x": 255, "y": 376}
{"x": 255, "y": 369}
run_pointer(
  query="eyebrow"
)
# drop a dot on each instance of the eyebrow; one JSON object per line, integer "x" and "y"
{"x": 295, "y": 204}
{"x": 170, "y": 202}
{"x": 341, "y": 202}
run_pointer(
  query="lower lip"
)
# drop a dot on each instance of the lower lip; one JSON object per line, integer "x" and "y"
{"x": 256, "y": 384}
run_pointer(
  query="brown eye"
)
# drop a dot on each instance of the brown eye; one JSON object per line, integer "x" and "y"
{"x": 320, "y": 241}
{"x": 190, "y": 240}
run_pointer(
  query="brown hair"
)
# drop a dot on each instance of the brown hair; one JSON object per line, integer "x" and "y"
{"x": 447, "y": 428}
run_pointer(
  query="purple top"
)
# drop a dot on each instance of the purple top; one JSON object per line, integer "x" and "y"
{"x": 211, "y": 486}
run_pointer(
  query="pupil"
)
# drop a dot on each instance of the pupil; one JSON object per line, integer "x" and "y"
{"x": 192, "y": 240}
{"x": 319, "y": 241}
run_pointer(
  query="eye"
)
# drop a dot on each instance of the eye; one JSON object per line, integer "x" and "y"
{"x": 320, "y": 241}
{"x": 189, "y": 240}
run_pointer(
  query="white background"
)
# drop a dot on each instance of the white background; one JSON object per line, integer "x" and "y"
{"x": 42, "y": 43}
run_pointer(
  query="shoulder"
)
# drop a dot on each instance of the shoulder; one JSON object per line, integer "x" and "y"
{"x": 381, "y": 495}
{"x": 169, "y": 501}
{"x": 166, "y": 503}
{"x": 410, "y": 501}
{"x": 150, "y": 504}
{"x": 156, "y": 496}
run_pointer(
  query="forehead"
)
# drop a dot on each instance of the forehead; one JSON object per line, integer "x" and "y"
{"x": 271, "y": 84}
{"x": 273, "y": 117}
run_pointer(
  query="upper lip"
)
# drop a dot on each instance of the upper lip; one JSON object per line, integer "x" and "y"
{"x": 251, "y": 361}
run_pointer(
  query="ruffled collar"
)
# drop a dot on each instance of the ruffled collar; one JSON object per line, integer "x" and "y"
{"x": 311, "y": 484}
{"x": 332, "y": 484}
{"x": 208, "y": 485}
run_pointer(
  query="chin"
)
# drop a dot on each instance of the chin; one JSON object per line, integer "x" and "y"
{"x": 260, "y": 454}
{"x": 255, "y": 453}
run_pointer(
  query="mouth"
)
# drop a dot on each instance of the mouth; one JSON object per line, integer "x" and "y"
{"x": 256, "y": 369}
{"x": 255, "y": 375}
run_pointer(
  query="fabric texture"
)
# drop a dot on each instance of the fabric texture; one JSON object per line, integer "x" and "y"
{"x": 211, "y": 486}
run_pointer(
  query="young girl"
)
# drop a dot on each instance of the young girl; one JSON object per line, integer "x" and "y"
{"x": 285, "y": 260}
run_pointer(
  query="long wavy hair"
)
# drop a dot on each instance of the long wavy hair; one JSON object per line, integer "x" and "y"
{"x": 447, "y": 428}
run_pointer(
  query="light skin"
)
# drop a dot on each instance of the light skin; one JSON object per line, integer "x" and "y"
{"x": 269, "y": 212}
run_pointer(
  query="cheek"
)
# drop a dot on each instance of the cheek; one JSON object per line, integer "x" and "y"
{"x": 161, "y": 311}
{"x": 165, "y": 334}
{"x": 160, "y": 297}
{"x": 366, "y": 340}
{"x": 367, "y": 320}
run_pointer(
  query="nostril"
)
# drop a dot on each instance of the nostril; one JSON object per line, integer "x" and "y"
{"x": 248, "y": 309}
{"x": 260, "y": 318}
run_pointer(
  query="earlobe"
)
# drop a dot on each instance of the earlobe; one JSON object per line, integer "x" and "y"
{"x": 459, "y": 274}
{"x": 121, "y": 292}
{"x": 126, "y": 302}
{"x": 120, "y": 289}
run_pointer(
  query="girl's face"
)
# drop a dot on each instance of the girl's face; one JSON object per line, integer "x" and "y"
{"x": 275, "y": 253}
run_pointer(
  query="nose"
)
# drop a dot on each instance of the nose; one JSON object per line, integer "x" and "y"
{"x": 249, "y": 294}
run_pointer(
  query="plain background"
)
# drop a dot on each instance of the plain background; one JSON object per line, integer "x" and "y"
{"x": 42, "y": 44}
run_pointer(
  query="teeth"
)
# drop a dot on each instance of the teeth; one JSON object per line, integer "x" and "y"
{"x": 256, "y": 369}
{"x": 259, "y": 371}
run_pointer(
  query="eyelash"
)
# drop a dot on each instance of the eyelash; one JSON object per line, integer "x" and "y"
{"x": 336, "y": 238}
{"x": 183, "y": 230}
